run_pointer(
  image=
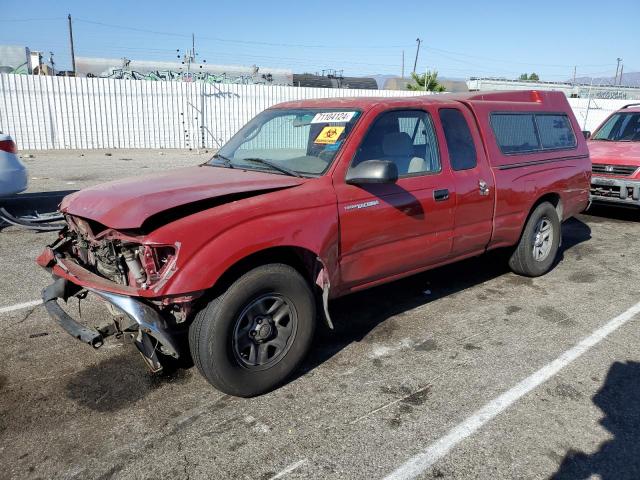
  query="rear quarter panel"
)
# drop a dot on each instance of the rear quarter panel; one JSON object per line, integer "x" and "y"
{"x": 522, "y": 179}
{"x": 521, "y": 188}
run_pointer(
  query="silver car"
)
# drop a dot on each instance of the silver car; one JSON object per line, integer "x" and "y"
{"x": 13, "y": 173}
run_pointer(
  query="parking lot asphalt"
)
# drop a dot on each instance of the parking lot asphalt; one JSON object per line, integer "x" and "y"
{"x": 407, "y": 363}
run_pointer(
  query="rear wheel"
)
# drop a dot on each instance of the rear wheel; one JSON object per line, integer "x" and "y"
{"x": 250, "y": 339}
{"x": 538, "y": 246}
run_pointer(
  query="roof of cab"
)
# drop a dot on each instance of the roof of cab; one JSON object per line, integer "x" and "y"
{"x": 365, "y": 103}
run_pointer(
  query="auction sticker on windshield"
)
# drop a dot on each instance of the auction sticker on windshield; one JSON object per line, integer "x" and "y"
{"x": 329, "y": 135}
{"x": 340, "y": 117}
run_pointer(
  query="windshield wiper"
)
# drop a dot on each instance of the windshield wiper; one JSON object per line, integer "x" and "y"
{"x": 226, "y": 161}
{"x": 274, "y": 165}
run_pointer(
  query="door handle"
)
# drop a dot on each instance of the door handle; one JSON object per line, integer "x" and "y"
{"x": 484, "y": 188}
{"x": 441, "y": 195}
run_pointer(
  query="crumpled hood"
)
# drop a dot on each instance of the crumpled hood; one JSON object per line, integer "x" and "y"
{"x": 614, "y": 153}
{"x": 127, "y": 203}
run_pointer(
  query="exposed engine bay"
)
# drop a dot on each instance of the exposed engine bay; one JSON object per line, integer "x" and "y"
{"x": 115, "y": 256}
{"x": 152, "y": 323}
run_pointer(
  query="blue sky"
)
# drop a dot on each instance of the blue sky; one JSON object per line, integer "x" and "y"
{"x": 461, "y": 38}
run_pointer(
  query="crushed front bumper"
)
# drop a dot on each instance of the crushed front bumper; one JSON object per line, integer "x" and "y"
{"x": 62, "y": 288}
{"x": 615, "y": 190}
{"x": 149, "y": 322}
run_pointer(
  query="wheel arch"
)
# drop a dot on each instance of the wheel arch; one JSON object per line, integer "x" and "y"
{"x": 300, "y": 258}
{"x": 553, "y": 198}
{"x": 305, "y": 261}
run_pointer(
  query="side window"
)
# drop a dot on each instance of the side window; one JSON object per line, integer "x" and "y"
{"x": 555, "y": 131}
{"x": 515, "y": 132}
{"x": 462, "y": 151}
{"x": 405, "y": 137}
{"x": 532, "y": 132}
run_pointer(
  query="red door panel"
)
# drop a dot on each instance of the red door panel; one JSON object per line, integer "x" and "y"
{"x": 390, "y": 229}
{"x": 474, "y": 181}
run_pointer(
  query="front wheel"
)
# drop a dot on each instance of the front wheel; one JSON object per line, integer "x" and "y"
{"x": 538, "y": 246}
{"x": 249, "y": 340}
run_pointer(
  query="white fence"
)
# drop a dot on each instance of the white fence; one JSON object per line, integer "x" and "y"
{"x": 591, "y": 113}
{"x": 86, "y": 113}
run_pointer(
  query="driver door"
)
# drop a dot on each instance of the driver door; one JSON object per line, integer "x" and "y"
{"x": 392, "y": 229}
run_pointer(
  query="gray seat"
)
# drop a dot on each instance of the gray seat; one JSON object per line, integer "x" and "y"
{"x": 397, "y": 148}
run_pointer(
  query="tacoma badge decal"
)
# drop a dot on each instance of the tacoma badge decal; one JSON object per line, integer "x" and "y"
{"x": 358, "y": 206}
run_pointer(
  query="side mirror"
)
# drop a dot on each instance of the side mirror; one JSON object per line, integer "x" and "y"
{"x": 587, "y": 134}
{"x": 373, "y": 171}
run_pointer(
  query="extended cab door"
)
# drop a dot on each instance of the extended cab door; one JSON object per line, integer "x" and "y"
{"x": 473, "y": 179}
{"x": 391, "y": 229}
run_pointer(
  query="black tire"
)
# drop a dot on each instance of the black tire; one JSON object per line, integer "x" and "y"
{"x": 523, "y": 261}
{"x": 216, "y": 332}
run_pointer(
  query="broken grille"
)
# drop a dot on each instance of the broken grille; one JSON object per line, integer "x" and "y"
{"x": 621, "y": 170}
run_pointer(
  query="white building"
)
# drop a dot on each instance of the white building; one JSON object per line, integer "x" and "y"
{"x": 158, "y": 70}
{"x": 569, "y": 89}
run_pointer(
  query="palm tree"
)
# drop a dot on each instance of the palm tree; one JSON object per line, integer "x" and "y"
{"x": 430, "y": 79}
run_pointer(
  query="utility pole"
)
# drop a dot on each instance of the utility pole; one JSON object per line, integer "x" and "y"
{"x": 574, "y": 74}
{"x": 73, "y": 55}
{"x": 621, "y": 69}
{"x": 193, "y": 45}
{"x": 40, "y": 65}
{"x": 187, "y": 59}
{"x": 584, "y": 125}
{"x": 402, "y": 64}
{"x": 617, "y": 68}
{"x": 415, "y": 63}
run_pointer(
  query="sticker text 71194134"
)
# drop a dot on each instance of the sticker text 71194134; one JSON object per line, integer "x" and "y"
{"x": 336, "y": 117}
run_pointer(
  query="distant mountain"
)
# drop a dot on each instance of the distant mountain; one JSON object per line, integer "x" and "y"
{"x": 631, "y": 79}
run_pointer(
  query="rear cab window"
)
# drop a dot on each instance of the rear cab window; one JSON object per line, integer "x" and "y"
{"x": 531, "y": 132}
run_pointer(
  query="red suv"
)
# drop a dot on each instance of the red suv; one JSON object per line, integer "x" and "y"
{"x": 615, "y": 154}
{"x": 309, "y": 201}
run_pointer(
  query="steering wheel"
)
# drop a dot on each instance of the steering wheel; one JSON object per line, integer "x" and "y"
{"x": 326, "y": 155}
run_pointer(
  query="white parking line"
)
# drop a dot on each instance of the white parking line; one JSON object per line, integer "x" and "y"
{"x": 20, "y": 306}
{"x": 289, "y": 469}
{"x": 422, "y": 461}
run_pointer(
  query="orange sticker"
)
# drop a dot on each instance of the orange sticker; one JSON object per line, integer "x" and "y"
{"x": 329, "y": 135}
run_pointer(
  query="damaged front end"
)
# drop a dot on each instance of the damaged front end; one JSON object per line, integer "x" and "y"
{"x": 127, "y": 273}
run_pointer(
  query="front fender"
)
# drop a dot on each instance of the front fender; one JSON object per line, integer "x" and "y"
{"x": 314, "y": 229}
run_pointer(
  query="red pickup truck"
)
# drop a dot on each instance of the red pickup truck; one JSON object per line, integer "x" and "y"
{"x": 615, "y": 153}
{"x": 311, "y": 200}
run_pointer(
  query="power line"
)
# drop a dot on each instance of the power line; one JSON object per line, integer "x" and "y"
{"x": 294, "y": 45}
{"x": 513, "y": 61}
{"x": 477, "y": 68}
{"x": 227, "y": 40}
{"x": 21, "y": 20}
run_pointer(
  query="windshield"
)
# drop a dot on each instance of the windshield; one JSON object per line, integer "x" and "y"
{"x": 301, "y": 142}
{"x": 620, "y": 127}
